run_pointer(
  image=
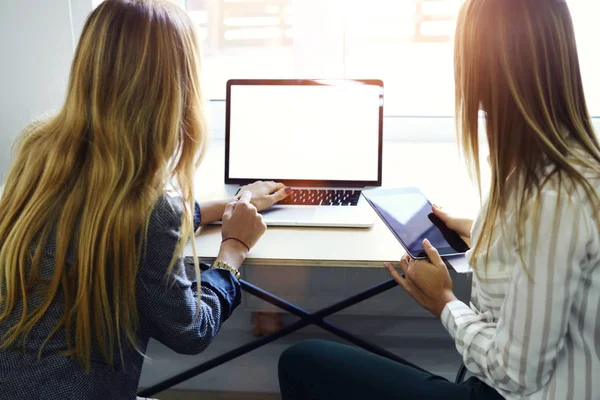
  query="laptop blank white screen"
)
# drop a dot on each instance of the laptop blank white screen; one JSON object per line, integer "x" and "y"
{"x": 299, "y": 132}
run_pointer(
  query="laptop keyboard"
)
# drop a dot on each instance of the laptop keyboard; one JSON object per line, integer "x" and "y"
{"x": 322, "y": 197}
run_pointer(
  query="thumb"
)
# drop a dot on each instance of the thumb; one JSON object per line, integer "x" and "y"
{"x": 432, "y": 254}
{"x": 280, "y": 195}
{"x": 441, "y": 214}
{"x": 245, "y": 197}
{"x": 229, "y": 210}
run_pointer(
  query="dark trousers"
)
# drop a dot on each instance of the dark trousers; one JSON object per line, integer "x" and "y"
{"x": 319, "y": 370}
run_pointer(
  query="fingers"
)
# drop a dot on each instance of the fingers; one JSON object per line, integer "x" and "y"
{"x": 460, "y": 225}
{"x": 397, "y": 277}
{"x": 229, "y": 210}
{"x": 432, "y": 254}
{"x": 245, "y": 197}
{"x": 280, "y": 194}
{"x": 274, "y": 187}
{"x": 404, "y": 262}
{"x": 445, "y": 217}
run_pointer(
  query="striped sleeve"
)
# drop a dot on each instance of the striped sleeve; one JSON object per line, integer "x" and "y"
{"x": 516, "y": 353}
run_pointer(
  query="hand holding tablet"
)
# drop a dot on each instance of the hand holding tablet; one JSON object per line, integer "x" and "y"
{"x": 409, "y": 215}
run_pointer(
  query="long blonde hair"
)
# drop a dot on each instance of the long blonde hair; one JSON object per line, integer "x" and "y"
{"x": 131, "y": 125}
{"x": 517, "y": 61}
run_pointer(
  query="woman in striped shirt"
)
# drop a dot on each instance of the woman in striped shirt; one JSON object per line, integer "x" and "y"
{"x": 532, "y": 329}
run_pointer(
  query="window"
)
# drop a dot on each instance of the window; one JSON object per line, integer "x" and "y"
{"x": 585, "y": 17}
{"x": 406, "y": 43}
{"x": 244, "y": 39}
{"x": 409, "y": 45}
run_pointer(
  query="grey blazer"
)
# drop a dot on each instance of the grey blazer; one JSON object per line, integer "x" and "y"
{"x": 166, "y": 310}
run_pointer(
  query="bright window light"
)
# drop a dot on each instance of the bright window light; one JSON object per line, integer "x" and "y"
{"x": 406, "y": 43}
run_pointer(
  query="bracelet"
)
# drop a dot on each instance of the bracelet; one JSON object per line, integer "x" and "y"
{"x": 237, "y": 240}
{"x": 223, "y": 265}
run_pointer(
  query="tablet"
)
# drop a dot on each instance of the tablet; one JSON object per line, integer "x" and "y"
{"x": 408, "y": 214}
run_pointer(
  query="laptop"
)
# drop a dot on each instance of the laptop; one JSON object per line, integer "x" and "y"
{"x": 322, "y": 138}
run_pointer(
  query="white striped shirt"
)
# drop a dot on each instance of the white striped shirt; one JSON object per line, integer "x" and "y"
{"x": 536, "y": 338}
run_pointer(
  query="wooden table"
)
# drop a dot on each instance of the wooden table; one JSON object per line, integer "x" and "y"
{"x": 435, "y": 168}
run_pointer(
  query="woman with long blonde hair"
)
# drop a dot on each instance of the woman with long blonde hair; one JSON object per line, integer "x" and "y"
{"x": 91, "y": 236}
{"x": 533, "y": 327}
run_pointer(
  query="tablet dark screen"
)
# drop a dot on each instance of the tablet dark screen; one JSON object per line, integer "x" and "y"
{"x": 408, "y": 214}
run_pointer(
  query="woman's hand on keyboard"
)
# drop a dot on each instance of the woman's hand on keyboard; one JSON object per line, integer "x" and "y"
{"x": 265, "y": 194}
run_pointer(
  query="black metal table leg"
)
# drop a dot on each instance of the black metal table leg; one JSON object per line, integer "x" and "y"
{"x": 222, "y": 359}
{"x": 341, "y": 333}
{"x": 306, "y": 319}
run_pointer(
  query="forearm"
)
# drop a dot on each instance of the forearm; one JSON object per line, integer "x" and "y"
{"x": 213, "y": 210}
{"x": 233, "y": 253}
{"x": 482, "y": 343}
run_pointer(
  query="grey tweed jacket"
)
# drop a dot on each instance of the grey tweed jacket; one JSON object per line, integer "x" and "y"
{"x": 166, "y": 310}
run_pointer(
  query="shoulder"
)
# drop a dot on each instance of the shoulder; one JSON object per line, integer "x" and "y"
{"x": 554, "y": 192}
{"x": 564, "y": 195}
{"x": 165, "y": 220}
{"x": 565, "y": 212}
{"x": 162, "y": 235}
{"x": 167, "y": 212}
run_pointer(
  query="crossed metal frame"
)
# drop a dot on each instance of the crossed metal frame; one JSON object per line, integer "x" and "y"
{"x": 306, "y": 318}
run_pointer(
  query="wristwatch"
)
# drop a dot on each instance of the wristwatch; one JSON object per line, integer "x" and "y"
{"x": 223, "y": 265}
